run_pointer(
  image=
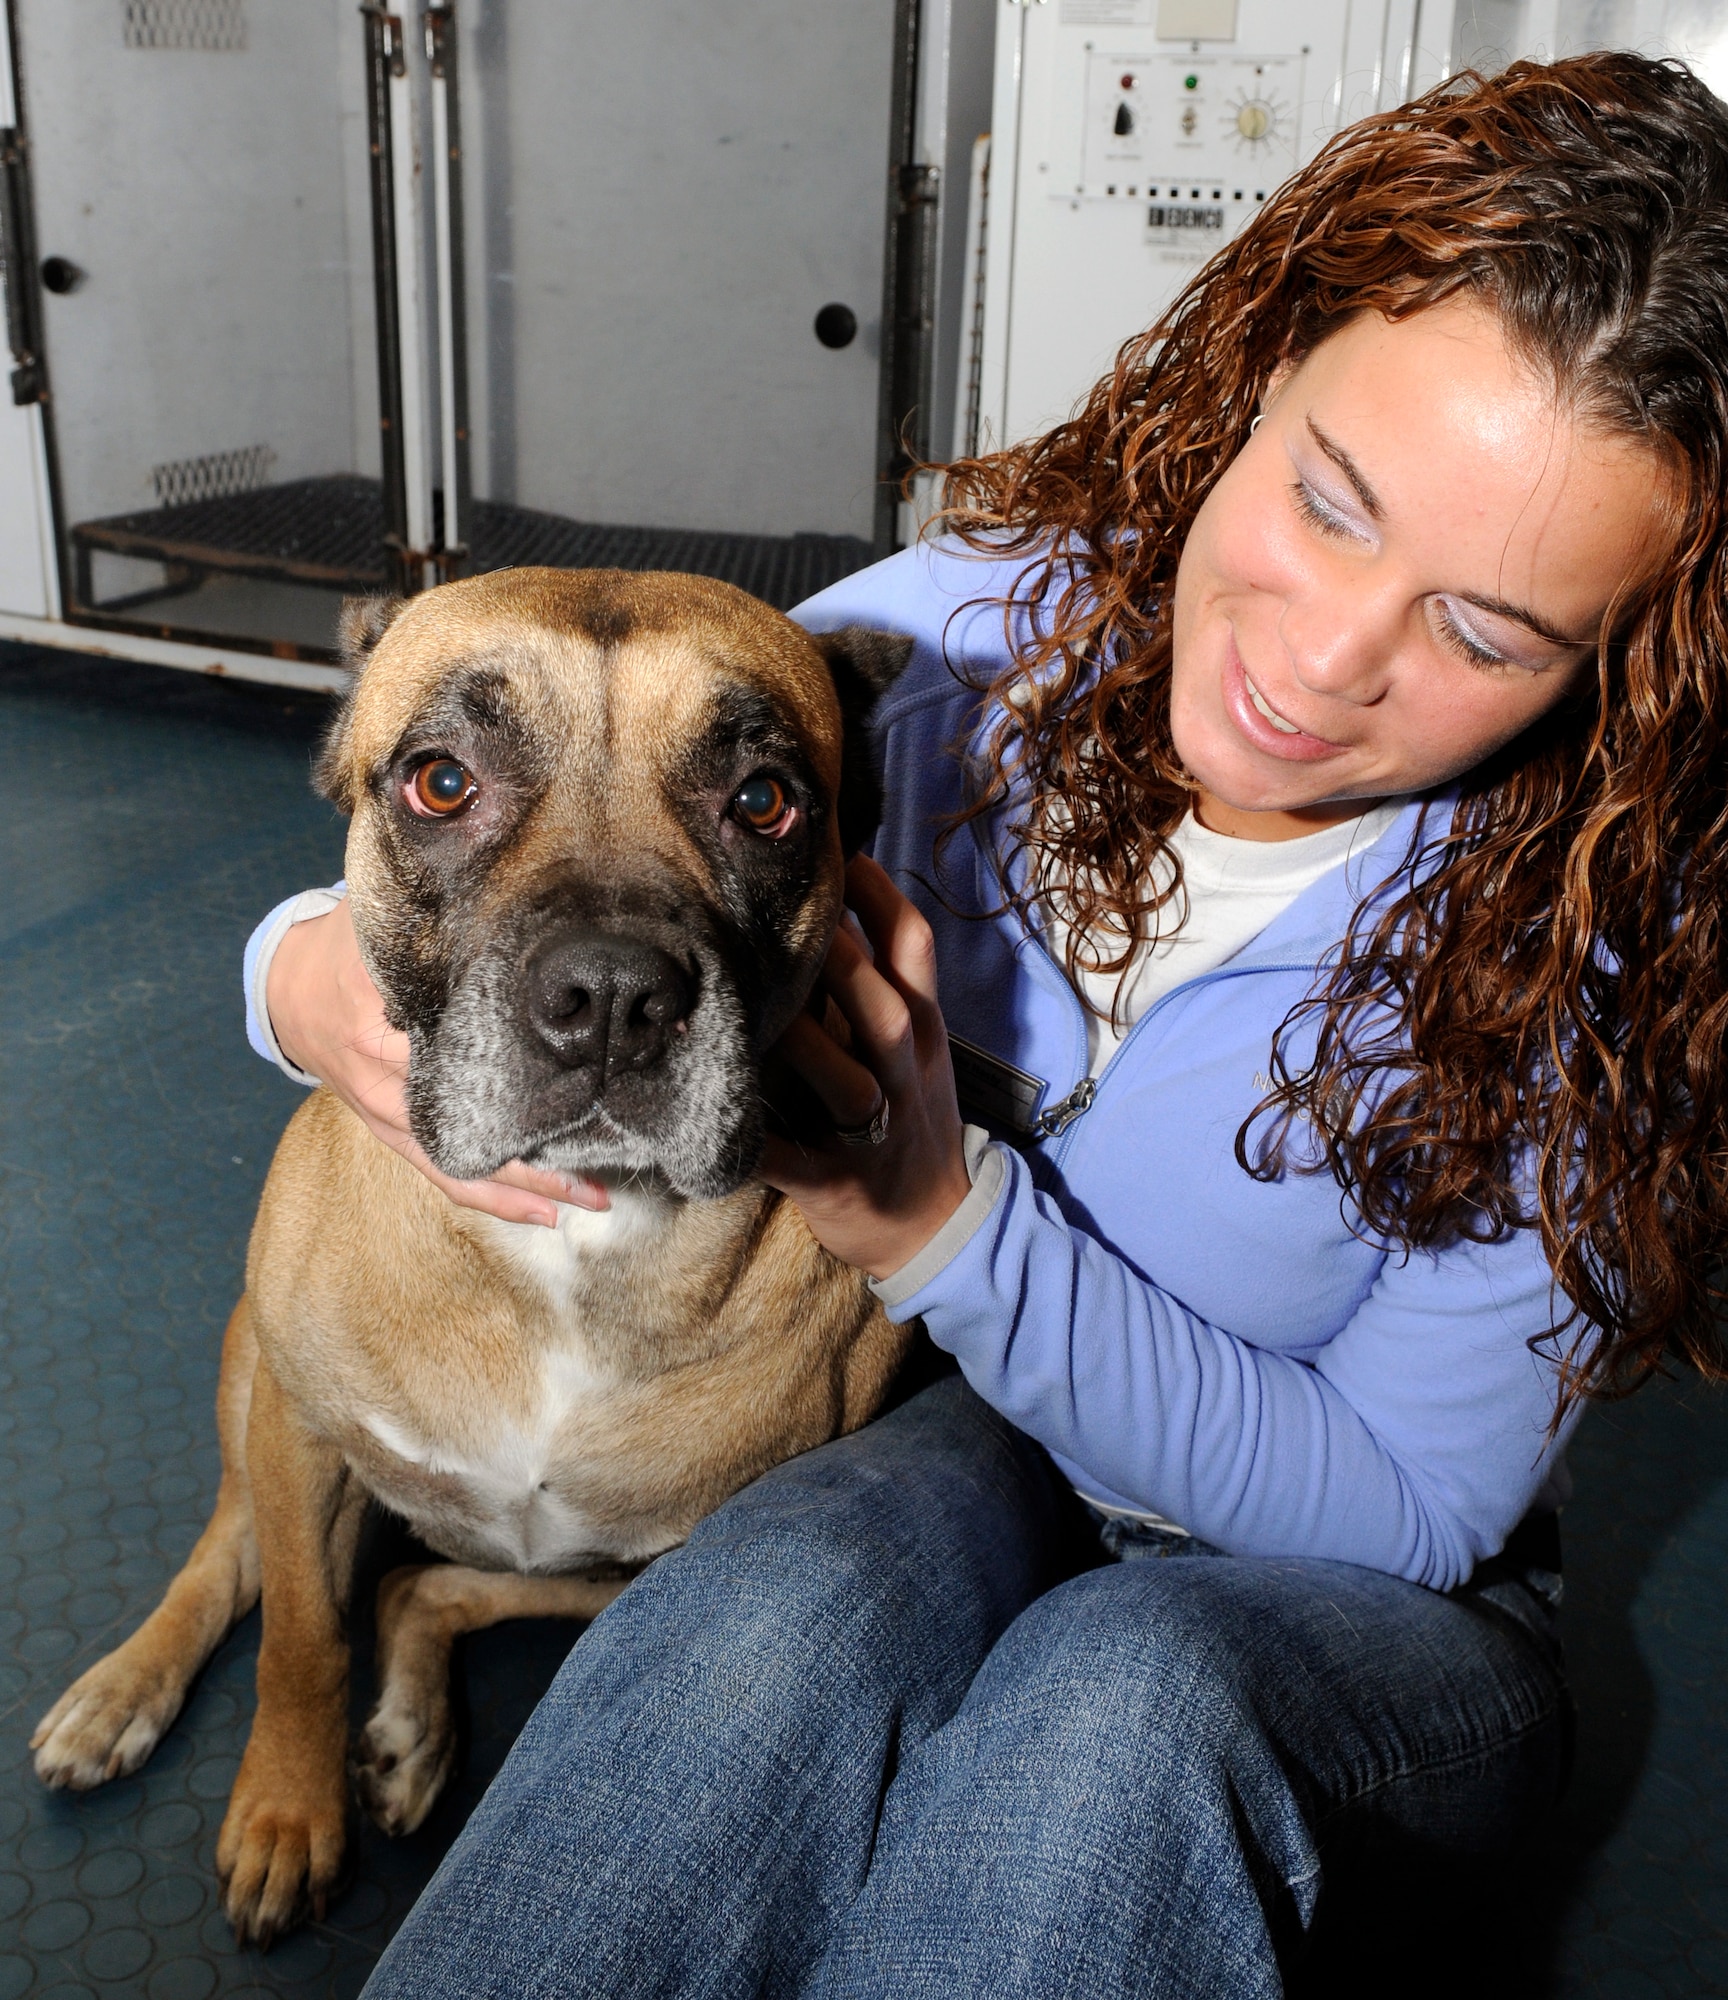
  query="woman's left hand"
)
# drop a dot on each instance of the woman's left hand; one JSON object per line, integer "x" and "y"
{"x": 877, "y": 1206}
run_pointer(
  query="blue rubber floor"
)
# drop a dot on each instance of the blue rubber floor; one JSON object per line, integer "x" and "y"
{"x": 148, "y": 820}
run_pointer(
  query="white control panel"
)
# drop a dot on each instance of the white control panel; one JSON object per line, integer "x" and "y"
{"x": 1197, "y": 140}
{"x": 1216, "y": 117}
{"x": 1131, "y": 139}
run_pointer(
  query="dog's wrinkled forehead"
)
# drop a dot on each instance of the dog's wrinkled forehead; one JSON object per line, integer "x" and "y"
{"x": 610, "y": 680}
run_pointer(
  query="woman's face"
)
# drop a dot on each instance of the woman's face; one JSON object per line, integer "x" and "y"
{"x": 1403, "y": 568}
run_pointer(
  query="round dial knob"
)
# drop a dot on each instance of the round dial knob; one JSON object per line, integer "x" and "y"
{"x": 1254, "y": 119}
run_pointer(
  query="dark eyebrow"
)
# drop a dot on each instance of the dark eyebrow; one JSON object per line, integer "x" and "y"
{"x": 476, "y": 695}
{"x": 1497, "y": 607}
{"x": 1348, "y": 466}
{"x": 1521, "y": 615}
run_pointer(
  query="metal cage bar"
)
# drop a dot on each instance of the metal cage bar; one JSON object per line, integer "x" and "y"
{"x": 384, "y": 54}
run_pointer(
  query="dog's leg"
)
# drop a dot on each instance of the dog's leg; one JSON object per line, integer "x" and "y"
{"x": 281, "y": 1843}
{"x": 404, "y": 1754}
{"x": 111, "y": 1718}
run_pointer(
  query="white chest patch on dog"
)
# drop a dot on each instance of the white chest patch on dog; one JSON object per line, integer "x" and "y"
{"x": 505, "y": 1510}
{"x": 552, "y": 1257}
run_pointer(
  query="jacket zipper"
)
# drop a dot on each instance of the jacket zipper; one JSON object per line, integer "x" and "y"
{"x": 1053, "y": 1123}
{"x": 1058, "y": 1122}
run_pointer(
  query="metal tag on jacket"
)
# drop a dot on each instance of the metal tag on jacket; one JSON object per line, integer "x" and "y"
{"x": 994, "y": 1092}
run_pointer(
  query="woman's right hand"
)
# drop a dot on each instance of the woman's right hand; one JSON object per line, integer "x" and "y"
{"x": 328, "y": 1019}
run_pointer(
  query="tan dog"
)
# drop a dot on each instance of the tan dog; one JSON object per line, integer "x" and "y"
{"x": 595, "y": 862}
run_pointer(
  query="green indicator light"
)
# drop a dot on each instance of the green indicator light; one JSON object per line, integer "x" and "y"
{"x": 1190, "y": 83}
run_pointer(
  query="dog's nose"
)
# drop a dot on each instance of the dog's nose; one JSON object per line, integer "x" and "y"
{"x": 606, "y": 1002}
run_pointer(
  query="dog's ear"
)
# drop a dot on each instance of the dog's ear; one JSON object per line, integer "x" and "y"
{"x": 865, "y": 665}
{"x": 331, "y": 772}
{"x": 363, "y": 622}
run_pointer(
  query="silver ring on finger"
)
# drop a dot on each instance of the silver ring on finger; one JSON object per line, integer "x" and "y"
{"x": 871, "y": 1133}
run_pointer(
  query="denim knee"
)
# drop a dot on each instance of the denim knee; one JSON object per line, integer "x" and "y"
{"x": 1313, "y": 1693}
{"x": 1151, "y": 1701}
{"x": 1139, "y": 1793}
{"x": 892, "y": 1558}
{"x": 1102, "y": 1808}
{"x": 1127, "y": 1648}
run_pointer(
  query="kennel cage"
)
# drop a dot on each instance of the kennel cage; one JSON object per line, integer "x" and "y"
{"x": 307, "y": 299}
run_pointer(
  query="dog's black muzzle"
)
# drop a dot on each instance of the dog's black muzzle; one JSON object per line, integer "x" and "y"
{"x": 607, "y": 1002}
{"x": 611, "y": 1031}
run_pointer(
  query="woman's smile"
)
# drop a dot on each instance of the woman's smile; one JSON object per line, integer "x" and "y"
{"x": 1271, "y": 714}
{"x": 1269, "y": 731}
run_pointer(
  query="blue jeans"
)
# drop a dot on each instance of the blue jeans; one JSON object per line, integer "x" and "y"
{"x": 891, "y": 1723}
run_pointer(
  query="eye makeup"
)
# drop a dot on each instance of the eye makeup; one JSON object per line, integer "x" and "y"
{"x": 1330, "y": 517}
{"x": 1465, "y": 643}
{"x": 1321, "y": 512}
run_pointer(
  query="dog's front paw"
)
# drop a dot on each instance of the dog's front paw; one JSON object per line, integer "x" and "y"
{"x": 402, "y": 1760}
{"x": 279, "y": 1853}
{"x": 107, "y": 1722}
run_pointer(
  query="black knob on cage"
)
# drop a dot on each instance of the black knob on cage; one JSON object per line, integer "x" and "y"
{"x": 60, "y": 274}
{"x": 836, "y": 325}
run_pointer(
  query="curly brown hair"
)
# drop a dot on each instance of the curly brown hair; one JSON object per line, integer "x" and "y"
{"x": 1529, "y": 1032}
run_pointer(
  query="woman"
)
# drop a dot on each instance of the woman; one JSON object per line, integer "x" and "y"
{"x": 1308, "y": 782}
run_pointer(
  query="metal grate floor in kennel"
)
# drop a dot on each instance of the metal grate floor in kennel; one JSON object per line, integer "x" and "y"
{"x": 152, "y": 817}
{"x": 329, "y": 532}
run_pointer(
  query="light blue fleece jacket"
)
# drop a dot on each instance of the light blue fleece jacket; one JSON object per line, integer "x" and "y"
{"x": 1221, "y": 1351}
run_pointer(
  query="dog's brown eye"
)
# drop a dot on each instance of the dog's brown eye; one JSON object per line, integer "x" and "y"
{"x": 440, "y": 787}
{"x": 761, "y": 803}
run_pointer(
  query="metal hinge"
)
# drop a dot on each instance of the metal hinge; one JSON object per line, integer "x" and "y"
{"x": 18, "y": 268}
{"x": 439, "y": 22}
{"x": 390, "y": 47}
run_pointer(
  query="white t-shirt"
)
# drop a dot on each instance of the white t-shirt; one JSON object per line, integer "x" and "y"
{"x": 1234, "y": 890}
